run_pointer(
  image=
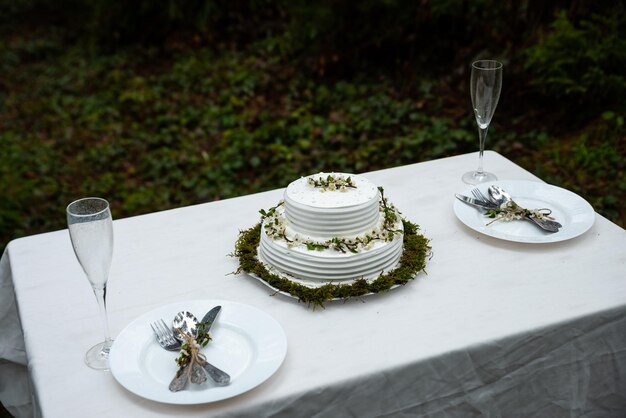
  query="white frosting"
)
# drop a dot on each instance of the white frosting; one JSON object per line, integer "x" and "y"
{"x": 311, "y": 214}
{"x": 330, "y": 264}
{"x": 332, "y": 213}
{"x": 301, "y": 192}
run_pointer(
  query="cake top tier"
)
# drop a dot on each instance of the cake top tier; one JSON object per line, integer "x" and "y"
{"x": 331, "y": 190}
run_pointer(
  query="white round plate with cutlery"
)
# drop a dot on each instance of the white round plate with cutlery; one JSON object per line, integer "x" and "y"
{"x": 572, "y": 211}
{"x": 246, "y": 343}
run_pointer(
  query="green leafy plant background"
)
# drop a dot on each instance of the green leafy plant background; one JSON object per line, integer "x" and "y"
{"x": 224, "y": 101}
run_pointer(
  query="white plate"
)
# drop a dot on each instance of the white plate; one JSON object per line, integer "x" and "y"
{"x": 247, "y": 343}
{"x": 571, "y": 210}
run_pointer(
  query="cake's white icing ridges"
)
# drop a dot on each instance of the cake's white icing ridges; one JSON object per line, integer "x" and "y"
{"x": 322, "y": 267}
{"x": 310, "y": 215}
{"x": 332, "y": 213}
{"x": 335, "y": 228}
{"x": 373, "y": 227}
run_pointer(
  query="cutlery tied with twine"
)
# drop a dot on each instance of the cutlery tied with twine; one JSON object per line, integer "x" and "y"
{"x": 190, "y": 362}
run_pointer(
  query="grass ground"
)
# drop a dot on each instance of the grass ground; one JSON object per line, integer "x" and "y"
{"x": 152, "y": 131}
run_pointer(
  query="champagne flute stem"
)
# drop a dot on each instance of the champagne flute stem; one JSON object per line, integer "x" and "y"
{"x": 101, "y": 295}
{"x": 482, "y": 136}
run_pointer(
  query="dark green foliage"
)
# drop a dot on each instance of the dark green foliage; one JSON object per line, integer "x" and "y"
{"x": 199, "y": 127}
{"x": 591, "y": 163}
{"x": 416, "y": 38}
{"x": 154, "y": 22}
{"x": 265, "y": 102}
{"x": 106, "y": 24}
{"x": 581, "y": 67}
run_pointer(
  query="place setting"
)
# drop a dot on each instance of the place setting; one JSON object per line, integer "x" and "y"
{"x": 524, "y": 211}
{"x": 168, "y": 355}
{"x": 520, "y": 211}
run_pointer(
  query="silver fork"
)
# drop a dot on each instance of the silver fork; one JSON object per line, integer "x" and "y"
{"x": 165, "y": 336}
{"x": 483, "y": 199}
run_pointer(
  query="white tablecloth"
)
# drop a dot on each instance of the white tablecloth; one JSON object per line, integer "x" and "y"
{"x": 494, "y": 329}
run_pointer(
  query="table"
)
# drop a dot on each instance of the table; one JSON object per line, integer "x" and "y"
{"x": 495, "y": 328}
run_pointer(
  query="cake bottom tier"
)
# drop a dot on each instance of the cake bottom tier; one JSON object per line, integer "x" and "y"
{"x": 329, "y": 265}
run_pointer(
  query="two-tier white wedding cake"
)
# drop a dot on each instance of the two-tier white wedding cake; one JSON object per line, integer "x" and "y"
{"x": 331, "y": 227}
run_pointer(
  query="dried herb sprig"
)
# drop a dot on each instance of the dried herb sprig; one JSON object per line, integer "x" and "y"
{"x": 190, "y": 361}
{"x": 510, "y": 211}
{"x": 332, "y": 183}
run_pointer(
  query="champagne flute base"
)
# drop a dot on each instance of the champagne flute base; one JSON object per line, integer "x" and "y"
{"x": 98, "y": 356}
{"x": 474, "y": 177}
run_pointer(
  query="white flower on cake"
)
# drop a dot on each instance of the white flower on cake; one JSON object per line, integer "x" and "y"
{"x": 331, "y": 182}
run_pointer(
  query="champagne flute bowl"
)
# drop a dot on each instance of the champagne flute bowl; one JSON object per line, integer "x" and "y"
{"x": 91, "y": 232}
{"x": 485, "y": 86}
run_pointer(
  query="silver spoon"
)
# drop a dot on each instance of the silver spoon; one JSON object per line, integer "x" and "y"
{"x": 500, "y": 196}
{"x": 184, "y": 326}
{"x": 185, "y": 323}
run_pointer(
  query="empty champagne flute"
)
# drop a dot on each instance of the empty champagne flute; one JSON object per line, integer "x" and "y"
{"x": 485, "y": 86}
{"x": 91, "y": 232}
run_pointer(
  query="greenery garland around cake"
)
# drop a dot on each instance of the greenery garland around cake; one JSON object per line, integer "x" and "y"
{"x": 413, "y": 260}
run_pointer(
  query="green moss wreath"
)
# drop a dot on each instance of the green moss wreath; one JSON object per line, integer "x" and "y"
{"x": 412, "y": 261}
